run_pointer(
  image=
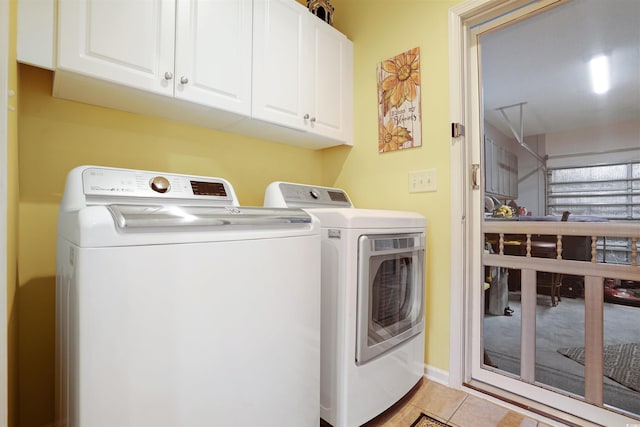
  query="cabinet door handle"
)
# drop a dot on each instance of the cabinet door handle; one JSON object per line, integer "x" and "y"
{"x": 313, "y": 119}
{"x": 168, "y": 75}
{"x": 184, "y": 80}
{"x": 306, "y": 116}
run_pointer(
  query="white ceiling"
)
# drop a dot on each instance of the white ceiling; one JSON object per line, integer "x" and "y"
{"x": 543, "y": 61}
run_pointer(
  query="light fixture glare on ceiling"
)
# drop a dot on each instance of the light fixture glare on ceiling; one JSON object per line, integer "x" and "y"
{"x": 599, "y": 67}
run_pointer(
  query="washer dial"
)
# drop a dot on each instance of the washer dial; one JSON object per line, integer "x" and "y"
{"x": 160, "y": 184}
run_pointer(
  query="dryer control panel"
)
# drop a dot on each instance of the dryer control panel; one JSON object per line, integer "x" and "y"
{"x": 286, "y": 194}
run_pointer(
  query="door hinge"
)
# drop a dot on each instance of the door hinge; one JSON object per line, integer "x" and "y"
{"x": 475, "y": 172}
{"x": 457, "y": 130}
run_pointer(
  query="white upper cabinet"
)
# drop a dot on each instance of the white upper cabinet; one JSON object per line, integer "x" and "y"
{"x": 213, "y": 53}
{"x": 122, "y": 41}
{"x": 280, "y": 62}
{"x": 332, "y": 86}
{"x": 501, "y": 170}
{"x": 36, "y": 30}
{"x": 133, "y": 43}
{"x": 263, "y": 68}
{"x": 302, "y": 71}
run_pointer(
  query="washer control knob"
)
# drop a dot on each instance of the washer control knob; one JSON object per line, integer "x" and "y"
{"x": 314, "y": 194}
{"x": 160, "y": 184}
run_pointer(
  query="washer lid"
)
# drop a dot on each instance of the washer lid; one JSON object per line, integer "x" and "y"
{"x": 136, "y": 217}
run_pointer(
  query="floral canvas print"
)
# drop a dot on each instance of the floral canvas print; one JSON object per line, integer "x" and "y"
{"x": 399, "y": 114}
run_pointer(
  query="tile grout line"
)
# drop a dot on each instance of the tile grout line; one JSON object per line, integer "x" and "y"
{"x": 466, "y": 396}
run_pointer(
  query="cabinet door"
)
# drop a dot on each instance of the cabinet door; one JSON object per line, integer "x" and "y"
{"x": 280, "y": 62}
{"x": 332, "y": 88}
{"x": 503, "y": 162}
{"x": 36, "y": 29}
{"x": 213, "y": 53}
{"x": 513, "y": 168}
{"x": 130, "y": 42}
{"x": 491, "y": 163}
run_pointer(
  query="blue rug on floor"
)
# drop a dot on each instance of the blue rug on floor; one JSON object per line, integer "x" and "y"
{"x": 426, "y": 421}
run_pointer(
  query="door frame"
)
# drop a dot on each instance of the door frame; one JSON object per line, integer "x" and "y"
{"x": 466, "y": 22}
{"x": 465, "y": 109}
{"x": 4, "y": 246}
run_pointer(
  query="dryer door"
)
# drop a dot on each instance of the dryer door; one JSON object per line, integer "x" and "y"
{"x": 390, "y": 292}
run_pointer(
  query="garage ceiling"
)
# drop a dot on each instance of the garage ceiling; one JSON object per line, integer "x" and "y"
{"x": 543, "y": 62}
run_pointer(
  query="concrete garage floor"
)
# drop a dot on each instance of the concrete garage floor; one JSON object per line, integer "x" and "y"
{"x": 560, "y": 327}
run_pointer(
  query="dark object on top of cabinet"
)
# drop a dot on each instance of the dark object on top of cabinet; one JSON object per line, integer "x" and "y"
{"x": 322, "y": 9}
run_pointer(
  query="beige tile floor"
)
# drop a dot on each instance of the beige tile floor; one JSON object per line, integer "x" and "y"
{"x": 455, "y": 407}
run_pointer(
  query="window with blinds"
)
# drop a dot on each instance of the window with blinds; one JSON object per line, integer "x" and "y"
{"x": 606, "y": 191}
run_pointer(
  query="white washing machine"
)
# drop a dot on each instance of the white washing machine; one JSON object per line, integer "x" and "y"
{"x": 372, "y": 346}
{"x": 177, "y": 307}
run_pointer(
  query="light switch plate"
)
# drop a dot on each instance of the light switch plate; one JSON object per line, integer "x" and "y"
{"x": 422, "y": 181}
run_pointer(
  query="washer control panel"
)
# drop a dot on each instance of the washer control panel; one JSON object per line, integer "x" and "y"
{"x": 109, "y": 184}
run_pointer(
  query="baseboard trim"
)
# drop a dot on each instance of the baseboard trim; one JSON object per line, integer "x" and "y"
{"x": 437, "y": 375}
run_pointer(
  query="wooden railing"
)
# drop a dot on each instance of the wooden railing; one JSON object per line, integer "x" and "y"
{"x": 592, "y": 230}
{"x": 529, "y": 235}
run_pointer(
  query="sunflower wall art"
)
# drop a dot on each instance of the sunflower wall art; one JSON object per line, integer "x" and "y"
{"x": 399, "y": 113}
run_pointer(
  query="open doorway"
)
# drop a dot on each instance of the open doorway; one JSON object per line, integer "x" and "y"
{"x": 500, "y": 119}
{"x": 560, "y": 146}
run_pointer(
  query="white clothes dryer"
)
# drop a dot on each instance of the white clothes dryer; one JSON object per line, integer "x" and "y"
{"x": 176, "y": 307}
{"x": 372, "y": 346}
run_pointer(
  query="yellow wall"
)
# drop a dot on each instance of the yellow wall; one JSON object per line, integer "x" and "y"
{"x": 379, "y": 30}
{"x": 55, "y": 135}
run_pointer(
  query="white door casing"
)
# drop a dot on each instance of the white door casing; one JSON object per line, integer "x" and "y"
{"x": 4, "y": 108}
{"x": 466, "y": 22}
